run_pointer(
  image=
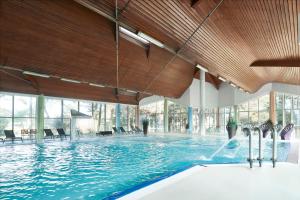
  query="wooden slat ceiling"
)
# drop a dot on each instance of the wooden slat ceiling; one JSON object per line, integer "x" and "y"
{"x": 239, "y": 33}
{"x": 62, "y": 38}
{"x": 248, "y": 42}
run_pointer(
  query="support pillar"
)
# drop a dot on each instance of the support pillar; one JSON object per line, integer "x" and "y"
{"x": 166, "y": 116}
{"x": 137, "y": 119}
{"x": 202, "y": 103}
{"x": 272, "y": 107}
{"x": 218, "y": 118}
{"x": 128, "y": 119}
{"x": 235, "y": 111}
{"x": 40, "y": 107}
{"x": 105, "y": 125}
{"x": 190, "y": 119}
{"x": 118, "y": 117}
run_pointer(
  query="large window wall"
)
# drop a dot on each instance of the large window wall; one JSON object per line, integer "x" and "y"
{"x": 288, "y": 110}
{"x": 154, "y": 112}
{"x": 102, "y": 115}
{"x": 178, "y": 118}
{"x": 17, "y": 112}
{"x": 224, "y": 114}
{"x": 254, "y": 112}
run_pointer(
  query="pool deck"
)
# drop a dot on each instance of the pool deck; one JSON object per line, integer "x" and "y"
{"x": 226, "y": 182}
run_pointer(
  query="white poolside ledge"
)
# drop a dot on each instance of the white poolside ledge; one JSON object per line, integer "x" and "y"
{"x": 226, "y": 182}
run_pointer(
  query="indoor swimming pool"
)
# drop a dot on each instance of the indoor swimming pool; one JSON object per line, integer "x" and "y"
{"x": 109, "y": 167}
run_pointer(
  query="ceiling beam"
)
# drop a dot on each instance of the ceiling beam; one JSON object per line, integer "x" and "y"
{"x": 195, "y": 3}
{"x": 276, "y": 63}
{"x": 111, "y": 18}
{"x": 17, "y": 77}
{"x": 182, "y": 47}
{"x": 124, "y": 8}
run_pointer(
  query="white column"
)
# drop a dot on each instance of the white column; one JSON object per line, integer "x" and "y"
{"x": 40, "y": 107}
{"x": 166, "y": 116}
{"x": 202, "y": 103}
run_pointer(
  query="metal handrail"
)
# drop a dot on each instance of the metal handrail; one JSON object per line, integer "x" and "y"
{"x": 260, "y": 153}
{"x": 250, "y": 158}
{"x": 274, "y": 147}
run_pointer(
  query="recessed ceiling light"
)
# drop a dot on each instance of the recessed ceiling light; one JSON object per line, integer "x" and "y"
{"x": 232, "y": 84}
{"x": 222, "y": 79}
{"x": 202, "y": 68}
{"x": 70, "y": 80}
{"x": 151, "y": 39}
{"x": 36, "y": 74}
{"x": 131, "y": 91}
{"x": 133, "y": 35}
{"x": 96, "y": 85}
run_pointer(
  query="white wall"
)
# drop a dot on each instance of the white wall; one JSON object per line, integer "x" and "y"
{"x": 191, "y": 96}
{"x": 225, "y": 96}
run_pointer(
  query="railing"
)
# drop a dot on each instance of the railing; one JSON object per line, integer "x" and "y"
{"x": 248, "y": 133}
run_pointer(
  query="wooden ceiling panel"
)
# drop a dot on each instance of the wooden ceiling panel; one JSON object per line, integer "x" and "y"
{"x": 237, "y": 34}
{"x": 65, "y": 39}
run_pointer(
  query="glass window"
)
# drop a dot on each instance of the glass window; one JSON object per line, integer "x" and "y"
{"x": 53, "y": 108}
{"x": 288, "y": 102}
{"x": 243, "y": 107}
{"x": 132, "y": 116}
{"x": 279, "y": 101}
{"x": 6, "y": 102}
{"x": 295, "y": 102}
{"x": 5, "y": 124}
{"x": 253, "y": 117}
{"x": 124, "y": 116}
{"x": 264, "y": 102}
{"x": 53, "y": 123}
{"x": 287, "y": 114}
{"x": 296, "y": 117}
{"x": 243, "y": 117}
{"x": 279, "y": 116}
{"x": 110, "y": 116}
{"x": 85, "y": 107}
{"x": 177, "y": 117}
{"x": 263, "y": 116}
{"x": 23, "y": 123}
{"x": 68, "y": 106}
{"x": 253, "y": 105}
{"x": 24, "y": 106}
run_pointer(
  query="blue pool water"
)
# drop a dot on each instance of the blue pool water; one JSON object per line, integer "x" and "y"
{"x": 106, "y": 167}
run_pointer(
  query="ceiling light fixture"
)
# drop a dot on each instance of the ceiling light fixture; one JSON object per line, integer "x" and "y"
{"x": 202, "y": 68}
{"x": 96, "y": 85}
{"x": 233, "y": 85}
{"x": 222, "y": 79}
{"x": 131, "y": 91}
{"x": 151, "y": 39}
{"x": 69, "y": 80}
{"x": 36, "y": 74}
{"x": 133, "y": 35}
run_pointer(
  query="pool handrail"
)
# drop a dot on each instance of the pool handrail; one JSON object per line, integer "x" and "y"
{"x": 274, "y": 146}
{"x": 260, "y": 153}
{"x": 248, "y": 133}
